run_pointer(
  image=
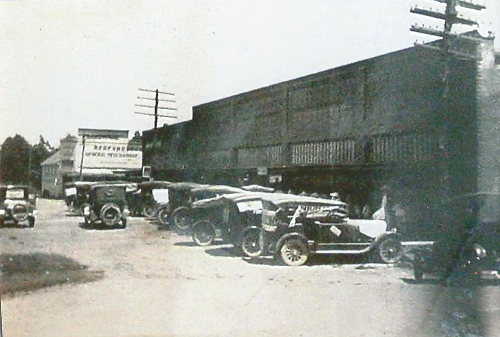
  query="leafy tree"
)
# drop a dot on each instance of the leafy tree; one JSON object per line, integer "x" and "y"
{"x": 20, "y": 162}
{"x": 15, "y": 160}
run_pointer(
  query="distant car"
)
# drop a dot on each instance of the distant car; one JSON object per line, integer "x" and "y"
{"x": 107, "y": 204}
{"x": 16, "y": 206}
{"x": 294, "y": 228}
{"x": 466, "y": 245}
{"x": 235, "y": 218}
{"x": 142, "y": 201}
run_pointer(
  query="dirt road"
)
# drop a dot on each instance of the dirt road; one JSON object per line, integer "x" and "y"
{"x": 157, "y": 283}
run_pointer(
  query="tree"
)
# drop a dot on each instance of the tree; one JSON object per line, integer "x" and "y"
{"x": 20, "y": 162}
{"x": 39, "y": 152}
{"x": 15, "y": 160}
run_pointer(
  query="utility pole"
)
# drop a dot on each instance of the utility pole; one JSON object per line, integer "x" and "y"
{"x": 449, "y": 50}
{"x": 156, "y": 105}
{"x": 81, "y": 161}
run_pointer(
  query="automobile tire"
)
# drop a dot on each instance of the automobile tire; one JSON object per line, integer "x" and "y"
{"x": 181, "y": 219}
{"x": 147, "y": 210}
{"x": 250, "y": 243}
{"x": 203, "y": 233}
{"x": 163, "y": 217}
{"x": 20, "y": 213}
{"x": 293, "y": 252}
{"x": 110, "y": 214}
{"x": 390, "y": 250}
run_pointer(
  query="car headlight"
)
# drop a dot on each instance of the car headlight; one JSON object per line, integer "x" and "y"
{"x": 126, "y": 212}
{"x": 86, "y": 211}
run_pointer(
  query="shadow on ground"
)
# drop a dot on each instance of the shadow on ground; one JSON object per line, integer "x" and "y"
{"x": 28, "y": 272}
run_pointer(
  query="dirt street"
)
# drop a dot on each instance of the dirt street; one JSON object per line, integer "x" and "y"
{"x": 157, "y": 283}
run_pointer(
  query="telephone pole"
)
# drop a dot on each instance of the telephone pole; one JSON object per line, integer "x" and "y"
{"x": 449, "y": 48}
{"x": 156, "y": 105}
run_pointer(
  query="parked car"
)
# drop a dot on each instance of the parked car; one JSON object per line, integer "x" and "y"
{"x": 80, "y": 200}
{"x": 294, "y": 228}
{"x": 142, "y": 201}
{"x": 107, "y": 203}
{"x": 466, "y": 245}
{"x": 69, "y": 193}
{"x": 16, "y": 206}
{"x": 182, "y": 216}
{"x": 231, "y": 217}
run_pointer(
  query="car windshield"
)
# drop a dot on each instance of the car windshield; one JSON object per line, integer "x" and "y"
{"x": 15, "y": 193}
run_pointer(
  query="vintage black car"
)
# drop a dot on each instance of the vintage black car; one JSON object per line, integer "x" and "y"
{"x": 188, "y": 193}
{"x": 80, "y": 199}
{"x": 107, "y": 204}
{"x": 465, "y": 245}
{"x": 16, "y": 206}
{"x": 69, "y": 193}
{"x": 142, "y": 201}
{"x": 235, "y": 218}
{"x": 293, "y": 228}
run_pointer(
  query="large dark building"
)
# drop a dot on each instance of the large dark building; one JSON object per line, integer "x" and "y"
{"x": 387, "y": 121}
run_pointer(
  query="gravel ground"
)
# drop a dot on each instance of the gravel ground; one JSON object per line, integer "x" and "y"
{"x": 158, "y": 283}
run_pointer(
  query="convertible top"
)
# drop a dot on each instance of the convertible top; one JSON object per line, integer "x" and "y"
{"x": 216, "y": 189}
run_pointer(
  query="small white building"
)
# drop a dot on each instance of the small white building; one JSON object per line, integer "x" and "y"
{"x": 95, "y": 154}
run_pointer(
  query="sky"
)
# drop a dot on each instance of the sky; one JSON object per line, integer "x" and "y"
{"x": 75, "y": 64}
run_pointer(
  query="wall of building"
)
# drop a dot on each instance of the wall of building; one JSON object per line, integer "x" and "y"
{"x": 388, "y": 121}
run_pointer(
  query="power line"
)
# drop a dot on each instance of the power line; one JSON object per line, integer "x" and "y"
{"x": 156, "y": 106}
{"x": 160, "y": 92}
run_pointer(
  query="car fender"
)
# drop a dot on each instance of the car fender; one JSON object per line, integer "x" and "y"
{"x": 384, "y": 236}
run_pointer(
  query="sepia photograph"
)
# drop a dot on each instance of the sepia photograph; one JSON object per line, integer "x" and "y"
{"x": 213, "y": 168}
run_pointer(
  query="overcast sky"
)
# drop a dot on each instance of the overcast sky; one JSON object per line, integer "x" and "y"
{"x": 71, "y": 64}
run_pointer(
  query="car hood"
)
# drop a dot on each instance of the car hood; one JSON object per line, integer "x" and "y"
{"x": 371, "y": 228}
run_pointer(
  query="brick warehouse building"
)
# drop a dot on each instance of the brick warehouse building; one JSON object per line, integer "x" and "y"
{"x": 352, "y": 129}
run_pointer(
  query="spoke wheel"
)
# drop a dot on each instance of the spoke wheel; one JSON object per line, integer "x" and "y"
{"x": 390, "y": 250}
{"x": 250, "y": 244}
{"x": 147, "y": 210}
{"x": 203, "y": 233}
{"x": 182, "y": 219}
{"x": 294, "y": 252}
{"x": 163, "y": 217}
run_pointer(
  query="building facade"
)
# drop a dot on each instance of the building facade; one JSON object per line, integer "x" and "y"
{"x": 386, "y": 122}
{"x": 95, "y": 154}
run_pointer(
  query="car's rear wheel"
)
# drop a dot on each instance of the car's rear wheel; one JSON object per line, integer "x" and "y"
{"x": 163, "y": 217}
{"x": 250, "y": 243}
{"x": 294, "y": 252}
{"x": 148, "y": 210}
{"x": 20, "y": 212}
{"x": 390, "y": 250}
{"x": 110, "y": 214}
{"x": 181, "y": 218}
{"x": 203, "y": 233}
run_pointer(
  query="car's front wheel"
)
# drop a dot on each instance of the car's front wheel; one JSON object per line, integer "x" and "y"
{"x": 203, "y": 233}
{"x": 390, "y": 250}
{"x": 294, "y": 252}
